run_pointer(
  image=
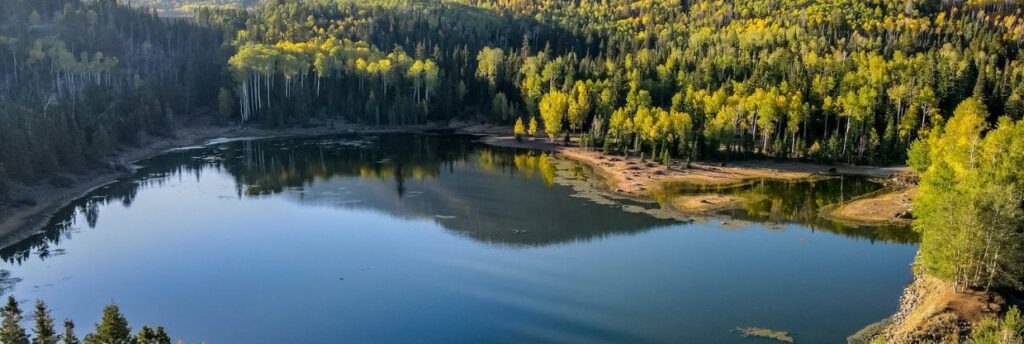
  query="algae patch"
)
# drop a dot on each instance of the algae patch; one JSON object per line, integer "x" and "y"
{"x": 760, "y": 332}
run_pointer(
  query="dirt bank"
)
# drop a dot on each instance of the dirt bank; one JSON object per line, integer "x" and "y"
{"x": 931, "y": 312}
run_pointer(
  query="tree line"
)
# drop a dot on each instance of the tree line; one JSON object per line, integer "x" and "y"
{"x": 112, "y": 328}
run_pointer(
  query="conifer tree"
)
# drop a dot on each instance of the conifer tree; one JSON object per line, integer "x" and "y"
{"x": 147, "y": 335}
{"x": 44, "y": 331}
{"x": 112, "y": 329}
{"x": 11, "y": 331}
{"x": 69, "y": 333}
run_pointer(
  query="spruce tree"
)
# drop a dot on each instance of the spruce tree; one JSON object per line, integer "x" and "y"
{"x": 113, "y": 329}
{"x": 69, "y": 333}
{"x": 44, "y": 332}
{"x": 147, "y": 335}
{"x": 11, "y": 331}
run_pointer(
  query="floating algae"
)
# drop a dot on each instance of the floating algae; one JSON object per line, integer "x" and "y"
{"x": 760, "y": 332}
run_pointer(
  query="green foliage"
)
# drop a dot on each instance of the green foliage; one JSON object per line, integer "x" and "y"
{"x": 1009, "y": 330}
{"x": 500, "y": 107}
{"x": 552, "y": 110}
{"x": 968, "y": 207}
{"x": 44, "y": 332}
{"x": 112, "y": 329}
{"x": 68, "y": 337}
{"x": 862, "y": 79}
{"x": 148, "y": 335}
{"x": 11, "y": 331}
{"x": 80, "y": 78}
{"x": 226, "y": 104}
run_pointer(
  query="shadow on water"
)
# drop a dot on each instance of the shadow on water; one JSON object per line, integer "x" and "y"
{"x": 466, "y": 187}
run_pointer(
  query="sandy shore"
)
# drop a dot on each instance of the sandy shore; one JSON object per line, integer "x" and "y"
{"x": 891, "y": 207}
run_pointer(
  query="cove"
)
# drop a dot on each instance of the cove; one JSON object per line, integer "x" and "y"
{"x": 436, "y": 238}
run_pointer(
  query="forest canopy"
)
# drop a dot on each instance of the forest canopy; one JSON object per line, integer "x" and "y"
{"x": 832, "y": 80}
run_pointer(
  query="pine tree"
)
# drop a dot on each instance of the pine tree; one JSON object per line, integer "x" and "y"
{"x": 69, "y": 333}
{"x": 44, "y": 332}
{"x": 112, "y": 329}
{"x": 11, "y": 331}
{"x": 147, "y": 335}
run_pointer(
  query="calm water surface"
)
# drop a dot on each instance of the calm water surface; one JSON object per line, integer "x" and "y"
{"x": 419, "y": 238}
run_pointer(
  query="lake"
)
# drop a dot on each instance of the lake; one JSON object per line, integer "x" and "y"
{"x": 436, "y": 238}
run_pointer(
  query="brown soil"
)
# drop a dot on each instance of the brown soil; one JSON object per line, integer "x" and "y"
{"x": 931, "y": 311}
{"x": 887, "y": 208}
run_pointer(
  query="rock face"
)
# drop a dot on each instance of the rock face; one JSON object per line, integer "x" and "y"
{"x": 931, "y": 311}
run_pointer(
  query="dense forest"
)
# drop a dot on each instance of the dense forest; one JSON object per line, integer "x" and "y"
{"x": 78, "y": 79}
{"x": 842, "y": 81}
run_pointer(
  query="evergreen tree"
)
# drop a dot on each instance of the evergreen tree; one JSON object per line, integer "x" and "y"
{"x": 112, "y": 329}
{"x": 12, "y": 332}
{"x": 44, "y": 331}
{"x": 69, "y": 333}
{"x": 148, "y": 335}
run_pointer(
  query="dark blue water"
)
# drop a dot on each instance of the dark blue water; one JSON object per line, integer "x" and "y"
{"x": 415, "y": 238}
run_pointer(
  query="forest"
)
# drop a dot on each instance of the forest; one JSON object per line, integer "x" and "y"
{"x": 831, "y": 81}
{"x": 834, "y": 81}
{"x": 79, "y": 79}
{"x": 936, "y": 84}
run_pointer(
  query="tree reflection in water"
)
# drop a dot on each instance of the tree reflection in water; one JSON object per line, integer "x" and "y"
{"x": 472, "y": 189}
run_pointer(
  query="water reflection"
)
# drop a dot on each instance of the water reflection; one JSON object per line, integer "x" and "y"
{"x": 416, "y": 177}
{"x": 780, "y": 202}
